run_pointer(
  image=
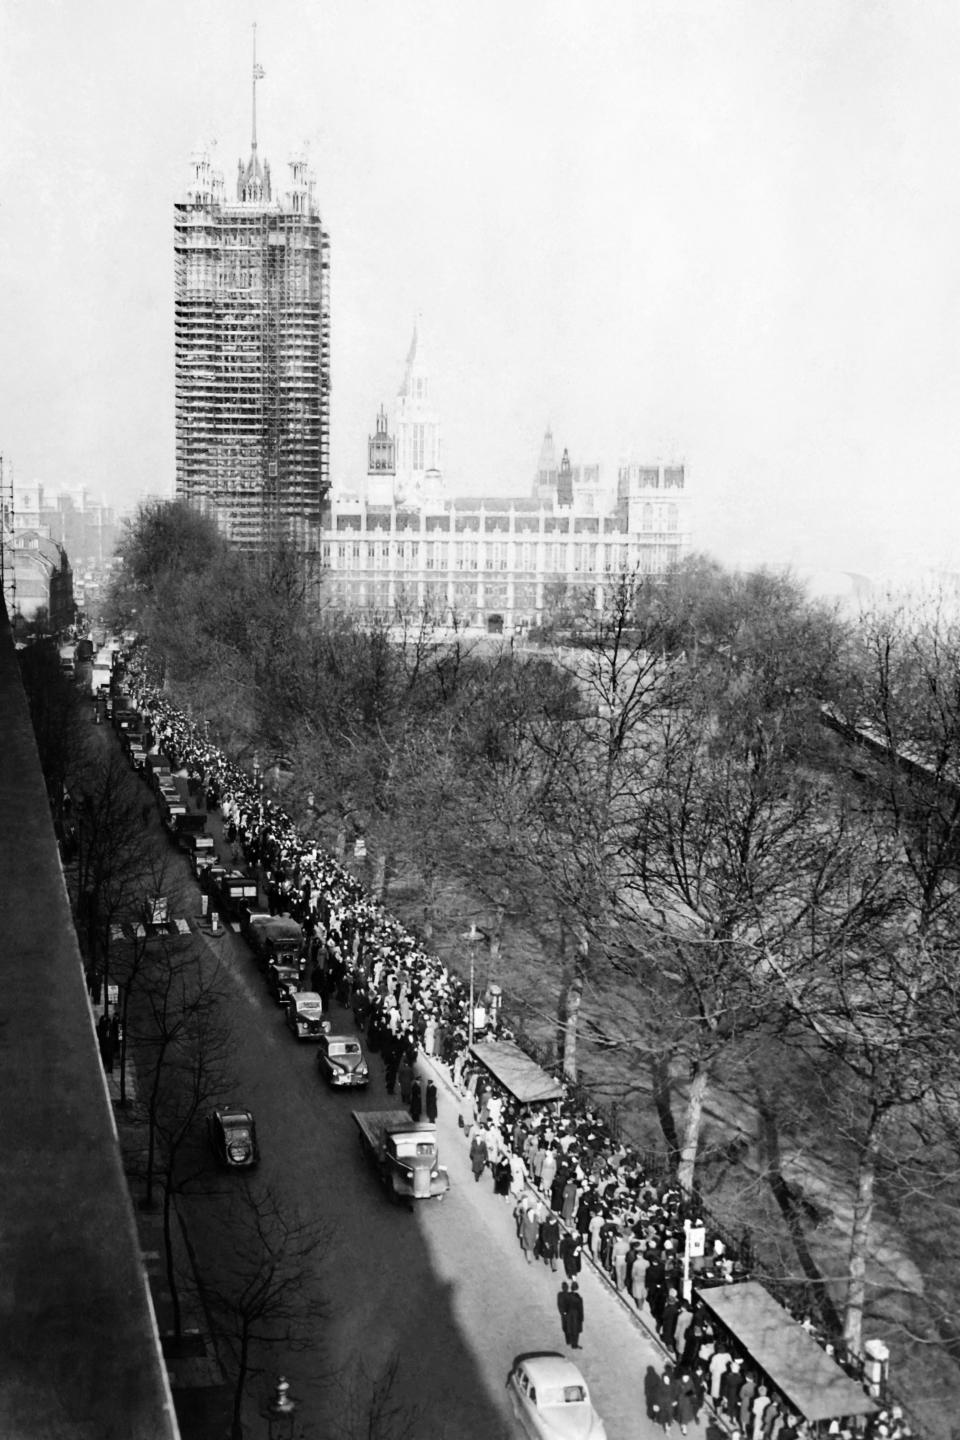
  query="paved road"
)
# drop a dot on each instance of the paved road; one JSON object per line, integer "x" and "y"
{"x": 443, "y": 1289}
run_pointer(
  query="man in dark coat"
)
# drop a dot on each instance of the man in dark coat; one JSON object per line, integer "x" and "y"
{"x": 563, "y": 1305}
{"x": 669, "y": 1316}
{"x": 405, "y": 1077}
{"x": 431, "y": 1102}
{"x": 550, "y": 1239}
{"x": 571, "y": 1253}
{"x": 730, "y": 1382}
{"x": 574, "y": 1324}
{"x": 105, "y": 1038}
{"x": 416, "y": 1098}
{"x": 666, "y": 1399}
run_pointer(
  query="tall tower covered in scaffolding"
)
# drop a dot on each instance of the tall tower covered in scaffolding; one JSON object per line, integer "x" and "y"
{"x": 252, "y": 298}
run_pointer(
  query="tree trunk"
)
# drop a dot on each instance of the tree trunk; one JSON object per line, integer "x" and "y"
{"x": 496, "y": 935}
{"x": 378, "y": 876}
{"x": 123, "y": 1046}
{"x": 692, "y": 1121}
{"x": 243, "y": 1361}
{"x": 168, "y": 1253}
{"x": 571, "y": 1016}
{"x": 860, "y": 1234}
{"x": 661, "y": 1089}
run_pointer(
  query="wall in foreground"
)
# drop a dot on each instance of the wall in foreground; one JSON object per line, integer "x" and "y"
{"x": 79, "y": 1353}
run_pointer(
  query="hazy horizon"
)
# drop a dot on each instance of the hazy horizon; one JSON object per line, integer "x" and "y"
{"x": 723, "y": 235}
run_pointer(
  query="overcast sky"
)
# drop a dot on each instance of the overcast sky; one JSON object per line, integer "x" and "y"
{"x": 726, "y": 233}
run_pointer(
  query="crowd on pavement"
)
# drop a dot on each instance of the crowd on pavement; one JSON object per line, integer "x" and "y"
{"x": 576, "y": 1191}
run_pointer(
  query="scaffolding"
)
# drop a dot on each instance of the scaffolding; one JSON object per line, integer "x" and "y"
{"x": 252, "y": 344}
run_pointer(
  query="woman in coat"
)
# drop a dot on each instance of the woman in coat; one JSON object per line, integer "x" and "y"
{"x": 467, "y": 1117}
{"x": 568, "y": 1201}
{"x": 502, "y": 1175}
{"x": 478, "y": 1154}
{"x": 687, "y": 1400}
{"x": 529, "y": 1230}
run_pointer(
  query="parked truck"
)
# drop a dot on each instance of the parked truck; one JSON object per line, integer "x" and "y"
{"x": 404, "y": 1153}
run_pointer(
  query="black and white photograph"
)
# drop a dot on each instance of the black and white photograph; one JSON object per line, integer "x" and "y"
{"x": 480, "y": 720}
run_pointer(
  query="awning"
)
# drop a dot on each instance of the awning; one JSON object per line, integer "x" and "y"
{"x": 516, "y": 1072}
{"x": 792, "y": 1360}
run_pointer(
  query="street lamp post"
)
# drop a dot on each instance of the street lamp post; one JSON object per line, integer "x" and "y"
{"x": 281, "y": 1412}
{"x": 471, "y": 937}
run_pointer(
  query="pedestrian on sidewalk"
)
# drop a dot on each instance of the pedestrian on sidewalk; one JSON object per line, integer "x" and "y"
{"x": 563, "y": 1305}
{"x": 405, "y": 1078}
{"x": 687, "y": 1400}
{"x": 550, "y": 1239}
{"x": 416, "y": 1099}
{"x": 669, "y": 1316}
{"x": 571, "y": 1253}
{"x": 518, "y": 1174}
{"x": 529, "y": 1229}
{"x": 667, "y": 1399}
{"x": 478, "y": 1155}
{"x": 105, "y": 1041}
{"x": 431, "y": 1102}
{"x": 574, "y": 1316}
{"x": 548, "y": 1170}
{"x": 502, "y": 1175}
{"x": 638, "y": 1279}
{"x": 467, "y": 1116}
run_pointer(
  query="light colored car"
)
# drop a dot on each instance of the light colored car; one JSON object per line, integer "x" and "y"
{"x": 305, "y": 1015}
{"x": 550, "y": 1399}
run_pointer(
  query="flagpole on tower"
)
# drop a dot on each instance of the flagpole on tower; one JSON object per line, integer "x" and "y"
{"x": 257, "y": 75}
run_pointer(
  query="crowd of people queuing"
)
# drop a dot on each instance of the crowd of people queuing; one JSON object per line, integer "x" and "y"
{"x": 575, "y": 1190}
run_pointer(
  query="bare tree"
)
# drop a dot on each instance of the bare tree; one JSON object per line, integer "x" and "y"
{"x": 265, "y": 1293}
{"x": 369, "y": 1406}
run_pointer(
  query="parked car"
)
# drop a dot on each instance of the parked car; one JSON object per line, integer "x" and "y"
{"x": 305, "y": 1015}
{"x": 550, "y": 1399}
{"x": 233, "y": 1137}
{"x": 272, "y": 937}
{"x": 283, "y": 977}
{"x": 341, "y": 1061}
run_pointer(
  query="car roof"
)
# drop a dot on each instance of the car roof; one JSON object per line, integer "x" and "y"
{"x": 235, "y": 1115}
{"x": 341, "y": 1040}
{"x": 548, "y": 1369}
{"x": 310, "y": 998}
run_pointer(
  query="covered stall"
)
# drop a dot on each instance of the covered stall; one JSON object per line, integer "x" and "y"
{"x": 516, "y": 1072}
{"x": 809, "y": 1378}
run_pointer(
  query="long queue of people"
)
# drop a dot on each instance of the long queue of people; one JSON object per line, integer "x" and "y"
{"x": 576, "y": 1191}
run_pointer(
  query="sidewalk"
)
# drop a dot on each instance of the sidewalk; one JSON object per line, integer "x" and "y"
{"x": 201, "y": 1394}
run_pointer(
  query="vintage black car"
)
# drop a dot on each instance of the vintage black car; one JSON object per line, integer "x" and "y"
{"x": 341, "y": 1061}
{"x": 233, "y": 1137}
{"x": 283, "y": 977}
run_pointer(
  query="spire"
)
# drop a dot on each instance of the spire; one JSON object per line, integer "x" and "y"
{"x": 253, "y": 180}
{"x": 414, "y": 363}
